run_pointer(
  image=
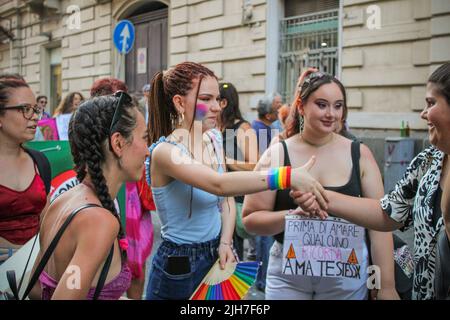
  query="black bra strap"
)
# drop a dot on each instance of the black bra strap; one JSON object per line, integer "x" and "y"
{"x": 52, "y": 247}
{"x": 103, "y": 274}
{"x": 356, "y": 155}
{"x": 287, "y": 160}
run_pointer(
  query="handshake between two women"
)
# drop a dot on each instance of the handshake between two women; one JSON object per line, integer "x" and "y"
{"x": 308, "y": 193}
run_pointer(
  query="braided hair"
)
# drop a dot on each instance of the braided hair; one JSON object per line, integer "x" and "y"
{"x": 178, "y": 80}
{"x": 89, "y": 142}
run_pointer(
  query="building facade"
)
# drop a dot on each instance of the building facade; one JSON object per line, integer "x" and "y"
{"x": 382, "y": 50}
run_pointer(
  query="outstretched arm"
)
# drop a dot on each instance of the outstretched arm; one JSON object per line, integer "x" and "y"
{"x": 393, "y": 211}
{"x": 361, "y": 211}
{"x": 381, "y": 243}
{"x": 258, "y": 213}
{"x": 170, "y": 161}
{"x": 258, "y": 216}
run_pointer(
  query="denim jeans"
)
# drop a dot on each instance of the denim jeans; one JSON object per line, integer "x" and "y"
{"x": 263, "y": 245}
{"x": 164, "y": 286}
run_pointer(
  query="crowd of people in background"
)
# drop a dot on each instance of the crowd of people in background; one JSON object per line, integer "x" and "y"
{"x": 217, "y": 182}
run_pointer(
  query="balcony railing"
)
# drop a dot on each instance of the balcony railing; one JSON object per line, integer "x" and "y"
{"x": 307, "y": 40}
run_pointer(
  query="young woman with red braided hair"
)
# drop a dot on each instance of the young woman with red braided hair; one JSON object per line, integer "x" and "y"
{"x": 188, "y": 188}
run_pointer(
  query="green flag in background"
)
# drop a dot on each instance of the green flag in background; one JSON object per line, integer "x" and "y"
{"x": 63, "y": 176}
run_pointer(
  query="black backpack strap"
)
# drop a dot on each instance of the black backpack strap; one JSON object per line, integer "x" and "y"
{"x": 11, "y": 277}
{"x": 43, "y": 166}
{"x": 52, "y": 248}
{"x": 287, "y": 160}
{"x": 103, "y": 274}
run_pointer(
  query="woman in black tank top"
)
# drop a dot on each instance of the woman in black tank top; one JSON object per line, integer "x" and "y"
{"x": 239, "y": 139}
{"x": 344, "y": 166}
{"x": 241, "y": 151}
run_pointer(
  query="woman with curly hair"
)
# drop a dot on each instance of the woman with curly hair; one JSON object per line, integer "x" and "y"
{"x": 69, "y": 104}
{"x": 64, "y": 111}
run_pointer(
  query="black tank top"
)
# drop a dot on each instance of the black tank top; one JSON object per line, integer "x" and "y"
{"x": 352, "y": 188}
{"x": 236, "y": 126}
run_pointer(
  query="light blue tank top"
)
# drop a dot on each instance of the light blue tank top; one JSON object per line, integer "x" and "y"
{"x": 173, "y": 202}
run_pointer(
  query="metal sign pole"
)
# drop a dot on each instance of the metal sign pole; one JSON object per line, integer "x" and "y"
{"x": 118, "y": 65}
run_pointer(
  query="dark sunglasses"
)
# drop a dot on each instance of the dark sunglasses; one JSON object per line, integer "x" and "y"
{"x": 124, "y": 98}
{"x": 28, "y": 110}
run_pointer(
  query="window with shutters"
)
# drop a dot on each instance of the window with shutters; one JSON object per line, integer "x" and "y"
{"x": 309, "y": 38}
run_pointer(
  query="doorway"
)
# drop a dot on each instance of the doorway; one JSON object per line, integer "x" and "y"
{"x": 149, "y": 53}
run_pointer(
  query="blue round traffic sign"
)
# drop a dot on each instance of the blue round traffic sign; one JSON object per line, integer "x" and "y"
{"x": 123, "y": 36}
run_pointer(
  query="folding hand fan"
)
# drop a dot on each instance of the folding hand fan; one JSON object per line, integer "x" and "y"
{"x": 232, "y": 283}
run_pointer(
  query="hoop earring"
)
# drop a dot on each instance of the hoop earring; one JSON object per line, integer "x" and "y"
{"x": 173, "y": 121}
{"x": 181, "y": 120}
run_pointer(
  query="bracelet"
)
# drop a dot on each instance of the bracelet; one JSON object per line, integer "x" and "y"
{"x": 226, "y": 244}
{"x": 279, "y": 178}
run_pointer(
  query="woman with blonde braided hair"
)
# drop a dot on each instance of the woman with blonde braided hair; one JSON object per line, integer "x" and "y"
{"x": 108, "y": 139}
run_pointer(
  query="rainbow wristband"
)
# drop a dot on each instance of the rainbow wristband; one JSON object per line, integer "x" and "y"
{"x": 279, "y": 178}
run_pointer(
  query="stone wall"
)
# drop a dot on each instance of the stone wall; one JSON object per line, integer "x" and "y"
{"x": 213, "y": 33}
{"x": 386, "y": 69}
{"x": 85, "y": 52}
